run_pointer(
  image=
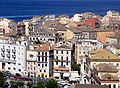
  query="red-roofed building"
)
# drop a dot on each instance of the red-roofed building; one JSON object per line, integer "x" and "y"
{"x": 93, "y": 22}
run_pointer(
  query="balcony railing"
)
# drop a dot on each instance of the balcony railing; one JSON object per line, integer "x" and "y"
{"x": 2, "y": 54}
{"x": 64, "y": 68}
{"x": 6, "y": 61}
{"x": 2, "y": 49}
{"x": 8, "y": 50}
{"x": 14, "y": 56}
{"x": 61, "y": 60}
{"x": 8, "y": 55}
{"x": 14, "y": 51}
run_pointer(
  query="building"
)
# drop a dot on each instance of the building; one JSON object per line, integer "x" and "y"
{"x": 13, "y": 58}
{"x": 31, "y": 63}
{"x": 7, "y": 25}
{"x": 85, "y": 71}
{"x": 89, "y": 86}
{"x": 42, "y": 34}
{"x": 83, "y": 47}
{"x": 61, "y": 60}
{"x": 103, "y": 35}
{"x": 44, "y": 62}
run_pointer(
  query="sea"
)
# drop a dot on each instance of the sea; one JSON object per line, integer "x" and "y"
{"x": 26, "y": 9}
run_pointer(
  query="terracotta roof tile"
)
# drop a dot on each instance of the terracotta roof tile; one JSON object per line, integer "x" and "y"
{"x": 104, "y": 54}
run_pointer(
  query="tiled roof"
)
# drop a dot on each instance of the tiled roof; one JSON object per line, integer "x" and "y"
{"x": 117, "y": 46}
{"x": 90, "y": 86}
{"x": 63, "y": 46}
{"x": 104, "y": 54}
{"x": 44, "y": 47}
{"x": 103, "y": 67}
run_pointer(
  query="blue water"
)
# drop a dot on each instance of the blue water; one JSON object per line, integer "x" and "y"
{"x": 26, "y": 9}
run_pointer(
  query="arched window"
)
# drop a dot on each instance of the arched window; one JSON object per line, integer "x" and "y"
{"x": 114, "y": 86}
{"x": 109, "y": 85}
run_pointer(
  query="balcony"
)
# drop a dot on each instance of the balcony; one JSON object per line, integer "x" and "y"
{"x": 61, "y": 60}
{"x": 2, "y": 54}
{"x": 8, "y": 55}
{"x": 14, "y": 51}
{"x": 61, "y": 68}
{"x": 6, "y": 61}
{"x": 8, "y": 50}
{"x": 2, "y": 49}
{"x": 13, "y": 56}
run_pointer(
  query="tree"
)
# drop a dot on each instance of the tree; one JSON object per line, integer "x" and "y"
{"x": 29, "y": 84}
{"x": 41, "y": 84}
{"x": 2, "y": 79}
{"x": 20, "y": 84}
{"x": 76, "y": 67}
{"x": 13, "y": 84}
{"x": 51, "y": 84}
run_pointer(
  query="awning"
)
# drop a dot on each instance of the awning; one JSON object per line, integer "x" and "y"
{"x": 56, "y": 75}
{"x": 66, "y": 75}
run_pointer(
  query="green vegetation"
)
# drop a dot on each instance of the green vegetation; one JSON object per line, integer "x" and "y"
{"x": 51, "y": 84}
{"x": 76, "y": 67}
{"x": 17, "y": 83}
{"x": 48, "y": 84}
{"x": 41, "y": 84}
{"x": 2, "y": 79}
{"x": 29, "y": 84}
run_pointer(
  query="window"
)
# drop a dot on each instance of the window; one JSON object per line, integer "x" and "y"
{"x": 14, "y": 69}
{"x": 19, "y": 70}
{"x": 61, "y": 58}
{"x": 45, "y": 53}
{"x": 56, "y": 63}
{"x": 61, "y": 52}
{"x": 8, "y": 68}
{"x": 45, "y": 65}
{"x": 40, "y": 70}
{"x": 109, "y": 85}
{"x": 44, "y": 70}
{"x": 42, "y": 58}
{"x": 56, "y": 51}
{"x": 56, "y": 57}
{"x": 42, "y": 75}
{"x": 38, "y": 64}
{"x": 42, "y": 65}
{"x": 61, "y": 63}
{"x": 38, "y": 58}
{"x": 114, "y": 86}
{"x": 42, "y": 53}
{"x": 117, "y": 64}
{"x": 46, "y": 59}
{"x": 28, "y": 68}
{"x": 67, "y": 52}
{"x": 19, "y": 64}
{"x": 67, "y": 63}
{"x": 67, "y": 58}
{"x": 9, "y": 63}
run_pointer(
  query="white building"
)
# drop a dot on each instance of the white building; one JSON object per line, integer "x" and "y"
{"x": 12, "y": 58}
{"x": 61, "y": 61}
{"x": 83, "y": 47}
{"x": 44, "y": 61}
{"x": 7, "y": 25}
{"x": 85, "y": 72}
{"x": 31, "y": 63}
